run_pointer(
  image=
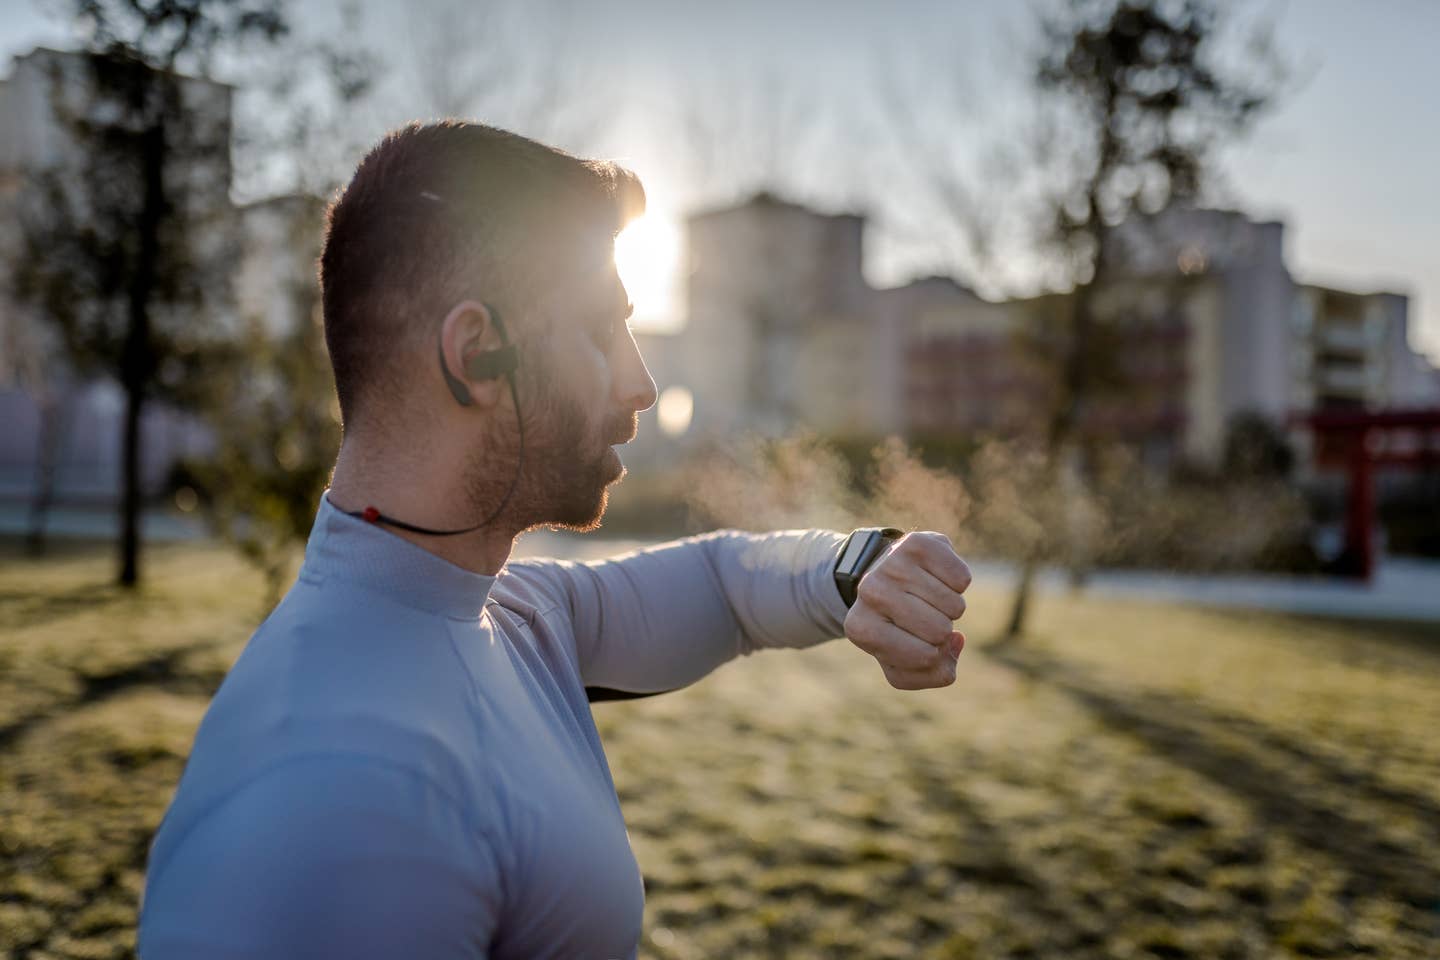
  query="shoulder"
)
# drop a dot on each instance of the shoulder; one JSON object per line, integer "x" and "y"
{"x": 534, "y": 585}
{"x": 316, "y": 845}
{"x": 316, "y": 681}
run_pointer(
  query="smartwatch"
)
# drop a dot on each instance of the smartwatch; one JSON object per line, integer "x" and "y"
{"x": 858, "y": 552}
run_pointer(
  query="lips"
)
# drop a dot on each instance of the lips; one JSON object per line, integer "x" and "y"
{"x": 628, "y": 432}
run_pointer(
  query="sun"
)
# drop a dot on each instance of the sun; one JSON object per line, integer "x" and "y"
{"x": 647, "y": 256}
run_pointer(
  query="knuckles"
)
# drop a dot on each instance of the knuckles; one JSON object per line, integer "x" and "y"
{"x": 855, "y": 627}
{"x": 936, "y": 552}
{"x": 920, "y": 543}
{"x": 955, "y": 608}
{"x": 860, "y": 629}
{"x": 964, "y": 574}
{"x": 870, "y": 589}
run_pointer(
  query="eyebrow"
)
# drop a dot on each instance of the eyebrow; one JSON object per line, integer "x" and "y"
{"x": 629, "y": 309}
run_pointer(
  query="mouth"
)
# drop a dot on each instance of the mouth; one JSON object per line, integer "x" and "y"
{"x": 622, "y": 431}
{"x": 627, "y": 433}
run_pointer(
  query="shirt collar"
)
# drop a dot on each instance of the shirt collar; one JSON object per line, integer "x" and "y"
{"x": 354, "y": 550}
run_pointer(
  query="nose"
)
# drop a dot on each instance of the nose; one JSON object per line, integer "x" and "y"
{"x": 634, "y": 387}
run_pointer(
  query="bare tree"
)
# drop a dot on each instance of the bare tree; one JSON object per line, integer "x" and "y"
{"x": 511, "y": 64}
{"x": 271, "y": 403}
{"x": 750, "y": 132}
{"x": 1148, "y": 100}
{"x": 1132, "y": 100}
{"x": 308, "y": 110}
{"x": 123, "y": 242}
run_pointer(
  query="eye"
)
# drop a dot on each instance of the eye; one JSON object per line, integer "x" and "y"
{"x": 607, "y": 326}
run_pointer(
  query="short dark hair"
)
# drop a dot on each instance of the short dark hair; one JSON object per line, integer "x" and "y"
{"x": 440, "y": 212}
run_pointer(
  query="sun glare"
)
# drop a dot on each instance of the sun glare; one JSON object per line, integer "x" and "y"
{"x": 675, "y": 410}
{"x": 647, "y": 255}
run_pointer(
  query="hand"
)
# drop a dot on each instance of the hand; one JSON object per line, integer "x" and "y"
{"x": 905, "y": 608}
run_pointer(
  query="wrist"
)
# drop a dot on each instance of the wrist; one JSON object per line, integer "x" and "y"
{"x": 858, "y": 554}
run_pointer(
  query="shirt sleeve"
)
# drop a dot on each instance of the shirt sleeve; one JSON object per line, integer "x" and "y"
{"x": 664, "y": 616}
{"x": 327, "y": 856}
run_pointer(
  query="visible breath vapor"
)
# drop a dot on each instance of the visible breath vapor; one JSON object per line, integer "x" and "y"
{"x": 995, "y": 503}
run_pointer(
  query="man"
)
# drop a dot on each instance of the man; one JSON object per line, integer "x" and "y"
{"x": 402, "y": 762}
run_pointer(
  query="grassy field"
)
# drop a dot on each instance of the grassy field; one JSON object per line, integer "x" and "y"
{"x": 1131, "y": 780}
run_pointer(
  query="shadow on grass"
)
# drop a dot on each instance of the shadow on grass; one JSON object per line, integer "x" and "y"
{"x": 161, "y": 671}
{"x": 1182, "y": 732}
{"x": 20, "y": 608}
{"x": 982, "y": 855}
{"x": 1350, "y": 636}
{"x": 110, "y": 887}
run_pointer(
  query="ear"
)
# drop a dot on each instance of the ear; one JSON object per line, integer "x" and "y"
{"x": 469, "y": 329}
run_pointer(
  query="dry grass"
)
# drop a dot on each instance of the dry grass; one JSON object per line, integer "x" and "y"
{"x": 1133, "y": 780}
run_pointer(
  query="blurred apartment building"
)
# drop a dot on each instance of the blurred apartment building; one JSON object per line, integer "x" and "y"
{"x": 1203, "y": 322}
{"x": 782, "y": 330}
{"x": 51, "y": 414}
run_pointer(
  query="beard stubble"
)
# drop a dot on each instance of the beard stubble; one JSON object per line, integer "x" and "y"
{"x": 568, "y": 464}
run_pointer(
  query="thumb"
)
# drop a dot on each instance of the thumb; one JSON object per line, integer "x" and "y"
{"x": 957, "y": 643}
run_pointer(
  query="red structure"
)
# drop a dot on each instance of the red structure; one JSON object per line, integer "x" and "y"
{"x": 1359, "y": 441}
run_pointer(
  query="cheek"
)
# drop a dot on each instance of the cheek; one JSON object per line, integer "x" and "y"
{"x": 596, "y": 383}
{"x": 581, "y": 380}
{"x": 584, "y": 365}
{"x": 580, "y": 402}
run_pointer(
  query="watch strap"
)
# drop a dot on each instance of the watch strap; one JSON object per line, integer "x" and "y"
{"x": 855, "y": 559}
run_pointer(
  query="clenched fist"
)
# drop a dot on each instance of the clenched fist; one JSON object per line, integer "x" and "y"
{"x": 905, "y": 608}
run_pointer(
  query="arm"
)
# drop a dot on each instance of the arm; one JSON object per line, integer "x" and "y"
{"x": 663, "y": 617}
{"x": 327, "y": 855}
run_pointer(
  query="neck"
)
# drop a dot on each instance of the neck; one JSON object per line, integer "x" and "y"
{"x": 366, "y": 478}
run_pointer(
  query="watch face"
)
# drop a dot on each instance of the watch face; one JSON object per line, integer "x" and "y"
{"x": 853, "y": 550}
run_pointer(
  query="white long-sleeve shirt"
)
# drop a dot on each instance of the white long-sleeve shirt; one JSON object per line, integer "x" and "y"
{"x": 402, "y": 762}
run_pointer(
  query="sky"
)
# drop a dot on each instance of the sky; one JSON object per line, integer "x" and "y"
{"x": 1348, "y": 159}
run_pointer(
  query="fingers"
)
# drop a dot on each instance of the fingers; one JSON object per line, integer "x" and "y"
{"x": 882, "y": 587}
{"x": 934, "y": 554}
{"x": 939, "y": 558}
{"x": 906, "y": 608}
{"x": 942, "y": 674}
{"x": 913, "y": 614}
{"x": 890, "y": 644}
{"x": 927, "y": 587}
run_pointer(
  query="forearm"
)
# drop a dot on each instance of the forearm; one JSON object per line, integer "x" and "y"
{"x": 779, "y": 586}
{"x": 663, "y": 617}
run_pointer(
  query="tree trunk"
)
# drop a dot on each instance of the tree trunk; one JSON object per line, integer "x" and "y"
{"x": 1020, "y": 606}
{"x": 138, "y": 361}
{"x": 130, "y": 488}
{"x": 1065, "y": 423}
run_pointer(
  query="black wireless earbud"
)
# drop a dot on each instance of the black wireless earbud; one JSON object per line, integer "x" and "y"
{"x": 500, "y": 362}
{"x": 483, "y": 366}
